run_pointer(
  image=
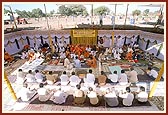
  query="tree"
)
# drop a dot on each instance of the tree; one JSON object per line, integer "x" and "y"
{"x": 146, "y": 12}
{"x": 78, "y": 10}
{"x": 74, "y": 10}
{"x": 136, "y": 12}
{"x": 52, "y": 12}
{"x": 102, "y": 10}
{"x": 6, "y": 11}
{"x": 37, "y": 13}
{"x": 62, "y": 10}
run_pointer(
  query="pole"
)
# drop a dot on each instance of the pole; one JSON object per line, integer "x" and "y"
{"x": 156, "y": 81}
{"x": 12, "y": 15}
{"x": 91, "y": 13}
{"x": 114, "y": 16}
{"x": 49, "y": 35}
{"x": 9, "y": 86}
{"x": 126, "y": 15}
{"x": 112, "y": 38}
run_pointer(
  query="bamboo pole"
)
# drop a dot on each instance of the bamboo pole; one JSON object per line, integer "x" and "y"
{"x": 49, "y": 35}
{"x": 9, "y": 86}
{"x": 126, "y": 15}
{"x": 156, "y": 81}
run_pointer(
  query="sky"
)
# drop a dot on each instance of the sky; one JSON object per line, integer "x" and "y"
{"x": 121, "y": 7}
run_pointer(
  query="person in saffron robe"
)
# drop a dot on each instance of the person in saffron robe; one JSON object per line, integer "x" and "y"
{"x": 129, "y": 56}
{"x": 92, "y": 62}
{"x": 8, "y": 57}
{"x": 86, "y": 54}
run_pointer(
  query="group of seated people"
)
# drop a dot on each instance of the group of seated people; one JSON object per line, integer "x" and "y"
{"x": 109, "y": 97}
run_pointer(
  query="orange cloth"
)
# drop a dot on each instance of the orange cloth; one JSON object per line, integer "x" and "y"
{"x": 92, "y": 63}
{"x": 129, "y": 56}
{"x": 26, "y": 47}
{"x": 8, "y": 57}
{"x": 86, "y": 54}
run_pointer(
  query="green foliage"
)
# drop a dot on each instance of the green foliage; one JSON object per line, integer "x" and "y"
{"x": 72, "y": 10}
{"x": 102, "y": 10}
{"x": 146, "y": 12}
{"x": 136, "y": 12}
{"x": 35, "y": 13}
{"x": 6, "y": 11}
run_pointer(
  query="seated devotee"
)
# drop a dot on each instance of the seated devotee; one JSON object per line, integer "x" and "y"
{"x": 142, "y": 95}
{"x": 74, "y": 80}
{"x": 101, "y": 57}
{"x": 106, "y": 52}
{"x": 30, "y": 77}
{"x": 130, "y": 49}
{"x": 26, "y": 47}
{"x": 31, "y": 56}
{"x": 77, "y": 63}
{"x": 37, "y": 54}
{"x": 88, "y": 48}
{"x": 8, "y": 58}
{"x": 46, "y": 45}
{"x": 51, "y": 78}
{"x": 43, "y": 94}
{"x": 147, "y": 56}
{"x": 92, "y": 62}
{"x": 132, "y": 76}
{"x": 64, "y": 78}
{"x": 111, "y": 98}
{"x": 129, "y": 56}
{"x": 93, "y": 97}
{"x": 152, "y": 57}
{"x": 48, "y": 57}
{"x": 62, "y": 55}
{"x": 102, "y": 79}
{"x": 152, "y": 73}
{"x": 86, "y": 54}
{"x": 117, "y": 55}
{"x": 113, "y": 77}
{"x": 122, "y": 78}
{"x": 20, "y": 77}
{"x": 24, "y": 55}
{"x": 39, "y": 76}
{"x": 79, "y": 96}
{"x": 25, "y": 94}
{"x": 59, "y": 97}
{"x": 135, "y": 46}
{"x": 66, "y": 62}
{"x": 90, "y": 79}
{"x": 127, "y": 97}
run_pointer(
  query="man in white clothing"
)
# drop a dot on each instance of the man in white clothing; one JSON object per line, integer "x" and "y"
{"x": 30, "y": 77}
{"x": 122, "y": 78}
{"x": 25, "y": 94}
{"x": 77, "y": 63}
{"x": 142, "y": 96}
{"x": 59, "y": 97}
{"x": 90, "y": 79}
{"x": 64, "y": 78}
{"x": 152, "y": 73}
{"x": 20, "y": 77}
{"x": 66, "y": 62}
{"x": 39, "y": 76}
{"x": 74, "y": 80}
{"x": 113, "y": 77}
{"x": 93, "y": 97}
{"x": 111, "y": 98}
{"x": 44, "y": 94}
{"x": 127, "y": 97}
